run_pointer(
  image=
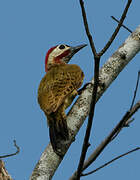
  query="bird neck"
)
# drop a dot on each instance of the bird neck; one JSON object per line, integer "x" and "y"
{"x": 54, "y": 64}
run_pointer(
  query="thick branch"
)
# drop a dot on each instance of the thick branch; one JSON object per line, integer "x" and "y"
{"x": 49, "y": 161}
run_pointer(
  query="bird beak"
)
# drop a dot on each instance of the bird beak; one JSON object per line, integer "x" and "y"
{"x": 73, "y": 50}
{"x": 77, "y": 48}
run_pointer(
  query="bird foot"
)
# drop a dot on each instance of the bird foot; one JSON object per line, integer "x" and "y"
{"x": 83, "y": 88}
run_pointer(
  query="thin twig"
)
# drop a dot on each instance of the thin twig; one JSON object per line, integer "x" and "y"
{"x": 90, "y": 121}
{"x": 134, "y": 109}
{"x": 132, "y": 104}
{"x": 123, "y": 123}
{"x": 115, "y": 135}
{"x": 13, "y": 154}
{"x": 122, "y": 24}
{"x": 94, "y": 94}
{"x": 135, "y": 92}
{"x": 87, "y": 28}
{"x": 96, "y": 82}
{"x": 107, "y": 140}
{"x": 93, "y": 102}
{"x": 127, "y": 124}
{"x": 116, "y": 30}
{"x": 109, "y": 162}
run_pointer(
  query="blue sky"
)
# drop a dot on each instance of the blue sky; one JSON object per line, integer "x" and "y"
{"x": 27, "y": 30}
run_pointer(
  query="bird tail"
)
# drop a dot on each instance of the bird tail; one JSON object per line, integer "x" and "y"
{"x": 58, "y": 130}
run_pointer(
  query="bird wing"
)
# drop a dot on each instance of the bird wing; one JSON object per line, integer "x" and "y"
{"x": 58, "y": 83}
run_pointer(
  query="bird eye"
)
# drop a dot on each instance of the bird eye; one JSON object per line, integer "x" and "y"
{"x": 62, "y": 47}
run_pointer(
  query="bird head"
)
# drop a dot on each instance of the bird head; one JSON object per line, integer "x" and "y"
{"x": 60, "y": 54}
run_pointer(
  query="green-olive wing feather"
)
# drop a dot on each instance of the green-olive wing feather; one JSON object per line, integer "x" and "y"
{"x": 57, "y": 84}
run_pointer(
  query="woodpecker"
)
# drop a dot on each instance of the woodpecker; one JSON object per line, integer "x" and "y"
{"x": 57, "y": 90}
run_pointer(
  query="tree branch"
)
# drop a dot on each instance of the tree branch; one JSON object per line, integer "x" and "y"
{"x": 132, "y": 104}
{"x": 49, "y": 161}
{"x": 122, "y": 24}
{"x": 96, "y": 79}
{"x": 116, "y": 30}
{"x": 135, "y": 92}
{"x": 109, "y": 162}
{"x": 94, "y": 93}
{"x": 13, "y": 154}
{"x": 90, "y": 119}
{"x": 87, "y": 29}
{"x": 108, "y": 139}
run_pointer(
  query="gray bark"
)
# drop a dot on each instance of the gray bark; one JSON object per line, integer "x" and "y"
{"x": 49, "y": 161}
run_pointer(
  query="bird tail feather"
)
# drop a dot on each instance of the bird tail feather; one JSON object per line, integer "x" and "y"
{"x": 58, "y": 130}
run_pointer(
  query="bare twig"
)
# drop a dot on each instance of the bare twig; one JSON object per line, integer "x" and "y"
{"x": 127, "y": 124}
{"x": 94, "y": 94}
{"x": 132, "y": 104}
{"x": 13, "y": 154}
{"x": 108, "y": 139}
{"x": 90, "y": 120}
{"x": 87, "y": 28}
{"x": 122, "y": 24}
{"x": 135, "y": 92}
{"x": 134, "y": 109}
{"x": 116, "y": 30}
{"x": 104, "y": 143}
{"x": 109, "y": 162}
{"x": 96, "y": 82}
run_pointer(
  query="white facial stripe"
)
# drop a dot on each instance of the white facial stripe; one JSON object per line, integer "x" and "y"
{"x": 56, "y": 52}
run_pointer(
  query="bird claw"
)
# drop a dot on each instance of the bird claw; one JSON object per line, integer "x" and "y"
{"x": 83, "y": 88}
